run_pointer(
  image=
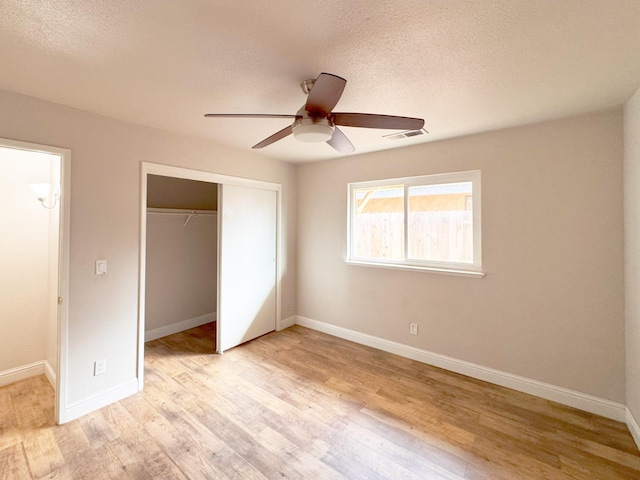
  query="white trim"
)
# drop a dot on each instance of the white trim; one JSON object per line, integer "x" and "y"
{"x": 220, "y": 204}
{"x": 63, "y": 286}
{"x": 42, "y": 367}
{"x": 416, "y": 268}
{"x": 286, "y": 323}
{"x": 50, "y": 374}
{"x": 200, "y": 175}
{"x": 95, "y": 402}
{"x": 406, "y": 263}
{"x": 142, "y": 275}
{"x": 179, "y": 326}
{"x": 12, "y": 375}
{"x": 582, "y": 401}
{"x": 280, "y": 255}
{"x": 633, "y": 426}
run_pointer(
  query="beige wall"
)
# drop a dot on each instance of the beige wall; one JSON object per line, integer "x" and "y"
{"x": 24, "y": 260}
{"x": 105, "y": 223}
{"x": 632, "y": 250}
{"x": 550, "y": 307}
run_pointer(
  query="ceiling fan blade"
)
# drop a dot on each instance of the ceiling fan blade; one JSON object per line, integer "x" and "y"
{"x": 369, "y": 120}
{"x": 324, "y": 94}
{"x": 275, "y": 137}
{"x": 340, "y": 142}
{"x": 248, "y": 115}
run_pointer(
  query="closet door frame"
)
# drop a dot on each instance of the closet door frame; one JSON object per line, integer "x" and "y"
{"x": 148, "y": 168}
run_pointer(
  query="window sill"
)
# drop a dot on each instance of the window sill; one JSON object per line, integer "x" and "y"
{"x": 415, "y": 268}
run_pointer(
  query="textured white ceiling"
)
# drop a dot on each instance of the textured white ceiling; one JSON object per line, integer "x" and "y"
{"x": 463, "y": 66}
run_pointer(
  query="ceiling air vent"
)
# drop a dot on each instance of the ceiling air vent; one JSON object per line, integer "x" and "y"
{"x": 407, "y": 134}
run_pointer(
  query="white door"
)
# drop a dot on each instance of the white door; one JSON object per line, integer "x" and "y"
{"x": 247, "y": 265}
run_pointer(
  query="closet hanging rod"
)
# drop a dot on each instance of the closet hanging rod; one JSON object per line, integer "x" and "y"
{"x": 179, "y": 211}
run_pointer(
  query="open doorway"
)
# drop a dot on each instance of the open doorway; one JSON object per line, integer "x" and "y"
{"x": 33, "y": 259}
{"x": 247, "y": 286}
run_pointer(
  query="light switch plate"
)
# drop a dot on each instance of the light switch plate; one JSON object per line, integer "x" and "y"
{"x": 100, "y": 367}
{"x": 101, "y": 267}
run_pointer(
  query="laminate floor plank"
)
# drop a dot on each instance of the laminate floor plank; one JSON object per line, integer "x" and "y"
{"x": 300, "y": 404}
{"x": 10, "y": 432}
{"x": 13, "y": 463}
{"x": 195, "y": 440}
{"x": 43, "y": 454}
{"x": 419, "y": 449}
{"x": 190, "y": 450}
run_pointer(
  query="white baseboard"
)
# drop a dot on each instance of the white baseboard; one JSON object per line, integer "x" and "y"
{"x": 634, "y": 427}
{"x": 22, "y": 372}
{"x": 179, "y": 327}
{"x": 286, "y": 323}
{"x": 95, "y": 402}
{"x": 50, "y": 374}
{"x": 571, "y": 398}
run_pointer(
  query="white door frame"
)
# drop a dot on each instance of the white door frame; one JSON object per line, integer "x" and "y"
{"x": 63, "y": 266}
{"x": 148, "y": 168}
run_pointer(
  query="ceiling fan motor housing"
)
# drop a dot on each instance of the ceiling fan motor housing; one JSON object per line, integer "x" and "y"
{"x": 313, "y": 129}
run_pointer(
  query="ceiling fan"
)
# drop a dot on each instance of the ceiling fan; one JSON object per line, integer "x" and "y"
{"x": 315, "y": 121}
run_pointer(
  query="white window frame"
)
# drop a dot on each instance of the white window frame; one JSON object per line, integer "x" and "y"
{"x": 456, "y": 268}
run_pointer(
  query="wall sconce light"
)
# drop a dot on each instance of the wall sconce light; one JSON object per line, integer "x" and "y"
{"x": 43, "y": 192}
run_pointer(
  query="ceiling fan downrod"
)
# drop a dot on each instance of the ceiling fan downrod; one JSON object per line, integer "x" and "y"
{"x": 307, "y": 85}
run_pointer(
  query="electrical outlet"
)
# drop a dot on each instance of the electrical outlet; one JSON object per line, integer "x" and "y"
{"x": 413, "y": 328}
{"x": 101, "y": 267}
{"x": 99, "y": 367}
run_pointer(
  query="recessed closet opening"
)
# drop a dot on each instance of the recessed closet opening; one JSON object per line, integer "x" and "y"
{"x": 181, "y": 256}
{"x": 209, "y": 261}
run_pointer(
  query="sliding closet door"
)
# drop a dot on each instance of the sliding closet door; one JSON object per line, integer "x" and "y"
{"x": 247, "y": 264}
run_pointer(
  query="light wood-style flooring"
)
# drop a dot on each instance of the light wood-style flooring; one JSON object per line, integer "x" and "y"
{"x": 300, "y": 404}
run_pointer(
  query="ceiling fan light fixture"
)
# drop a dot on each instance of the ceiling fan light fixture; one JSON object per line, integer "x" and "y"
{"x": 313, "y": 130}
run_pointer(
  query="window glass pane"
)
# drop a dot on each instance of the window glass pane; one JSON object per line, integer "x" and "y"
{"x": 440, "y": 223}
{"x": 378, "y": 227}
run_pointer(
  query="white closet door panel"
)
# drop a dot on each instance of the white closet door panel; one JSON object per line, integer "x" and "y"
{"x": 247, "y": 295}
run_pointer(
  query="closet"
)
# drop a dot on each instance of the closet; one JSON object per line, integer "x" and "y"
{"x": 181, "y": 255}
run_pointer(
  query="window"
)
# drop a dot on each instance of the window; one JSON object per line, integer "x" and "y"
{"x": 428, "y": 223}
